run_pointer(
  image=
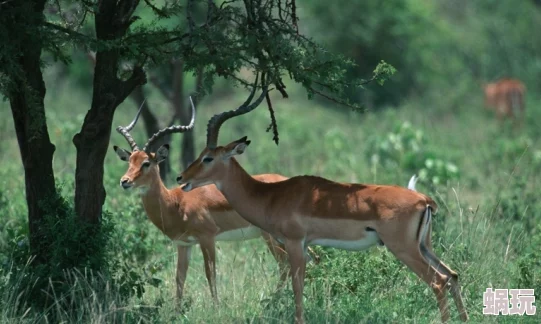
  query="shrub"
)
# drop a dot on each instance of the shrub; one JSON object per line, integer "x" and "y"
{"x": 407, "y": 148}
{"x": 81, "y": 261}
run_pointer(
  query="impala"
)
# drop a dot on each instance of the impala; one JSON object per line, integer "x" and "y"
{"x": 202, "y": 216}
{"x": 310, "y": 210}
{"x": 506, "y": 97}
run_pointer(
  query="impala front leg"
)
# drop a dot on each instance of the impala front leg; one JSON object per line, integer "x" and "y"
{"x": 183, "y": 260}
{"x": 297, "y": 261}
{"x": 208, "y": 247}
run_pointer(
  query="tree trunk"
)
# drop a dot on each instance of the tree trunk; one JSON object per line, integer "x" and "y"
{"x": 152, "y": 126}
{"x": 26, "y": 96}
{"x": 112, "y": 20}
{"x": 93, "y": 139}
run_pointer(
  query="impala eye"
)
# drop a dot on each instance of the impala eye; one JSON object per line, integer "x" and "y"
{"x": 207, "y": 159}
{"x": 145, "y": 164}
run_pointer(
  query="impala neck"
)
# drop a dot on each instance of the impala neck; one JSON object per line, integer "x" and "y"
{"x": 155, "y": 198}
{"x": 244, "y": 193}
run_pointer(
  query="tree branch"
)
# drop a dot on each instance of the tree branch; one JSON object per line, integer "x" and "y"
{"x": 191, "y": 23}
{"x": 159, "y": 12}
{"x": 67, "y": 31}
{"x": 137, "y": 78}
{"x": 338, "y": 101}
{"x": 273, "y": 124}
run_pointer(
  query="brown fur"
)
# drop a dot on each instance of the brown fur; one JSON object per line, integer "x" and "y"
{"x": 506, "y": 98}
{"x": 306, "y": 209}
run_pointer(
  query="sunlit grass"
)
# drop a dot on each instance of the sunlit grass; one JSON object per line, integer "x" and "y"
{"x": 469, "y": 233}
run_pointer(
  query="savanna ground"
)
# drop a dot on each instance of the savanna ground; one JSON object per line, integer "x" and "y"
{"x": 482, "y": 174}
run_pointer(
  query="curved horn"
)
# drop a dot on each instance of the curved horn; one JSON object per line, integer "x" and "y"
{"x": 172, "y": 129}
{"x": 214, "y": 124}
{"x": 125, "y": 131}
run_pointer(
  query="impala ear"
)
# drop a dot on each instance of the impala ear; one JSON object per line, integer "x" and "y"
{"x": 122, "y": 153}
{"x": 237, "y": 147}
{"x": 162, "y": 153}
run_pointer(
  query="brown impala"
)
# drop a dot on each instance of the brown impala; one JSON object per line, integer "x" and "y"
{"x": 309, "y": 210}
{"x": 202, "y": 216}
{"x": 506, "y": 98}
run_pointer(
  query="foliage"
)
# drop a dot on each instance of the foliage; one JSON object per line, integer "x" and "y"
{"x": 221, "y": 40}
{"x": 529, "y": 263}
{"x": 66, "y": 245}
{"x": 518, "y": 202}
{"x": 79, "y": 254}
{"x": 371, "y": 31}
{"x": 408, "y": 149}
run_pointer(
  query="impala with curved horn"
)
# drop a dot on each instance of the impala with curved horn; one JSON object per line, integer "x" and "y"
{"x": 310, "y": 210}
{"x": 202, "y": 216}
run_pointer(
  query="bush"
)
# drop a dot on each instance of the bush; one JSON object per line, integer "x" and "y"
{"x": 81, "y": 261}
{"x": 406, "y": 148}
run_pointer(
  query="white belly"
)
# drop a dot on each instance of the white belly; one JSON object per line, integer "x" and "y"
{"x": 370, "y": 239}
{"x": 240, "y": 234}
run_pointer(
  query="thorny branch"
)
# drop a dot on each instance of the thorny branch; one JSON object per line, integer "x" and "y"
{"x": 68, "y": 31}
{"x": 159, "y": 12}
{"x": 338, "y": 101}
{"x": 294, "y": 15}
{"x": 266, "y": 22}
{"x": 273, "y": 124}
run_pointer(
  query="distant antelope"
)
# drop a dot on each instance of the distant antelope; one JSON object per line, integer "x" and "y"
{"x": 506, "y": 98}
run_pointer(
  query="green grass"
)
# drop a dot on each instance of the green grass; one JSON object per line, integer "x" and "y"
{"x": 485, "y": 228}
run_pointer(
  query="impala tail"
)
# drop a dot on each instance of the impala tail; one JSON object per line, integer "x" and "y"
{"x": 425, "y": 223}
{"x": 431, "y": 203}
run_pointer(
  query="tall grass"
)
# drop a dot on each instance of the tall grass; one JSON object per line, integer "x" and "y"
{"x": 486, "y": 228}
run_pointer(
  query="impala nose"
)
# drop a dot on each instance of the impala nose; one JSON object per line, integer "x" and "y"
{"x": 179, "y": 179}
{"x": 124, "y": 183}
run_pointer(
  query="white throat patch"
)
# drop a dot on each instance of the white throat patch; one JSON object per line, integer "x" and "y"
{"x": 142, "y": 190}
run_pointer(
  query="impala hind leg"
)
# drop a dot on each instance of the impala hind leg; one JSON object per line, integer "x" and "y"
{"x": 183, "y": 260}
{"x": 410, "y": 255}
{"x": 453, "y": 281}
{"x": 296, "y": 255}
{"x": 278, "y": 252}
{"x": 434, "y": 261}
{"x": 208, "y": 247}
